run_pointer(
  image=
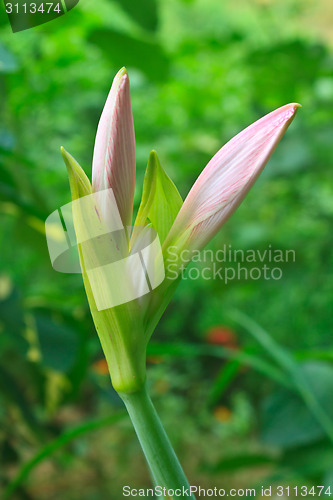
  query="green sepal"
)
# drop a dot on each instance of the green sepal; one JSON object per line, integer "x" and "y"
{"x": 78, "y": 180}
{"x": 120, "y": 328}
{"x": 161, "y": 200}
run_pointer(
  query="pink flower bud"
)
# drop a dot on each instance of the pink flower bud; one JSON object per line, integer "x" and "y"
{"x": 226, "y": 179}
{"x": 114, "y": 152}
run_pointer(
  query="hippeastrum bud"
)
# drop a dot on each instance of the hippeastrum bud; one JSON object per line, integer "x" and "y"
{"x": 114, "y": 152}
{"x": 215, "y": 195}
{"x": 123, "y": 269}
{"x": 226, "y": 179}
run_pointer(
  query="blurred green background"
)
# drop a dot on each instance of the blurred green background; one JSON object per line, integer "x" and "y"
{"x": 243, "y": 406}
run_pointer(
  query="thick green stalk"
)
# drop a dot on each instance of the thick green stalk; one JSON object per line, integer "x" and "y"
{"x": 162, "y": 460}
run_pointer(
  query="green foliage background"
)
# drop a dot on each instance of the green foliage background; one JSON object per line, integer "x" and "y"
{"x": 200, "y": 71}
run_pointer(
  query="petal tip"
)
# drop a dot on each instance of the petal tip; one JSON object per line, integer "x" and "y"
{"x": 121, "y": 77}
{"x": 284, "y": 115}
{"x": 292, "y": 108}
{"x": 122, "y": 72}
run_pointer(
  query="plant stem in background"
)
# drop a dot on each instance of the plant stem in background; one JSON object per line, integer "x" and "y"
{"x": 162, "y": 460}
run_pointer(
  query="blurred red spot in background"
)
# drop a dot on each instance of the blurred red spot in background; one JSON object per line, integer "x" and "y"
{"x": 100, "y": 367}
{"x": 222, "y": 335}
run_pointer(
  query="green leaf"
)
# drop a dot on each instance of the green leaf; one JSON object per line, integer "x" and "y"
{"x": 144, "y": 12}
{"x": 161, "y": 200}
{"x": 278, "y": 353}
{"x": 146, "y": 54}
{"x": 238, "y": 462}
{"x": 301, "y": 459}
{"x": 287, "y": 419}
{"x": 296, "y": 372}
{"x": 223, "y": 380}
{"x": 188, "y": 350}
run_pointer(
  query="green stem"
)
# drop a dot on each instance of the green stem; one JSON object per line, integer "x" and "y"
{"x": 162, "y": 460}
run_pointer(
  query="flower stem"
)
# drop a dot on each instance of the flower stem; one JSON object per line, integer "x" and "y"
{"x": 162, "y": 460}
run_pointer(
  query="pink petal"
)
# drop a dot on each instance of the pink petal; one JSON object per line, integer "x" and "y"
{"x": 114, "y": 152}
{"x": 228, "y": 176}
